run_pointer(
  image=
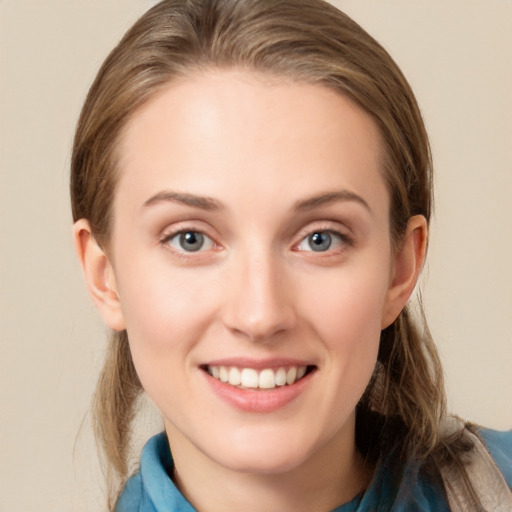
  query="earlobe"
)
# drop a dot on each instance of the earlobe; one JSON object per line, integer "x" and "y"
{"x": 408, "y": 263}
{"x": 99, "y": 275}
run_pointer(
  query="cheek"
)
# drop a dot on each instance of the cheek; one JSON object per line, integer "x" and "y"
{"x": 346, "y": 315}
{"x": 350, "y": 328}
{"x": 349, "y": 306}
{"x": 166, "y": 312}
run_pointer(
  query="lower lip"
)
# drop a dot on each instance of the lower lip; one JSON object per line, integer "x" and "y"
{"x": 262, "y": 400}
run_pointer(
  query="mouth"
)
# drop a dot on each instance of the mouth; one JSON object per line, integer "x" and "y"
{"x": 259, "y": 379}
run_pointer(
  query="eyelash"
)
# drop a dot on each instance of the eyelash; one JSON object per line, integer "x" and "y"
{"x": 344, "y": 241}
{"x": 167, "y": 238}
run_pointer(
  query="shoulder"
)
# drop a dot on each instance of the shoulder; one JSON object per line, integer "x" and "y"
{"x": 486, "y": 473}
{"x": 403, "y": 484}
{"x": 499, "y": 445}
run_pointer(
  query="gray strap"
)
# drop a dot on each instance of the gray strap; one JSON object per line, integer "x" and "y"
{"x": 487, "y": 481}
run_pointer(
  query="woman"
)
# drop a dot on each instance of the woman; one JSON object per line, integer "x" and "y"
{"x": 251, "y": 188}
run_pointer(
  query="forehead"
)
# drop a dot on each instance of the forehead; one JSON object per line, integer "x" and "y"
{"x": 259, "y": 133}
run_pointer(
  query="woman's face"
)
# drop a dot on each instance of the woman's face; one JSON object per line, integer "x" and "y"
{"x": 251, "y": 243}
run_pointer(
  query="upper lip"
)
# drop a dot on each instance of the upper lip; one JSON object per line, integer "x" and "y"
{"x": 259, "y": 364}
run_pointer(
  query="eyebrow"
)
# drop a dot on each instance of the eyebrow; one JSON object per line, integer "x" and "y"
{"x": 210, "y": 204}
{"x": 330, "y": 197}
{"x": 204, "y": 203}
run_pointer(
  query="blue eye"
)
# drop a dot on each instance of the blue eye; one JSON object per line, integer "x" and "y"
{"x": 321, "y": 241}
{"x": 190, "y": 241}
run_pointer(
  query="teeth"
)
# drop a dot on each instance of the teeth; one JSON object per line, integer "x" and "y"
{"x": 223, "y": 374}
{"x": 267, "y": 379}
{"x": 291, "y": 375}
{"x": 250, "y": 378}
{"x": 234, "y": 376}
{"x": 281, "y": 377}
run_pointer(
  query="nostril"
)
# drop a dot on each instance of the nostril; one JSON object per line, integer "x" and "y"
{"x": 258, "y": 302}
{"x": 260, "y": 331}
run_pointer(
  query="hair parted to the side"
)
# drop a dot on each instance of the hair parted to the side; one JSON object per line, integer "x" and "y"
{"x": 304, "y": 40}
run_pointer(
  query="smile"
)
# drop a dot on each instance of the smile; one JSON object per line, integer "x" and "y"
{"x": 250, "y": 378}
{"x": 259, "y": 386}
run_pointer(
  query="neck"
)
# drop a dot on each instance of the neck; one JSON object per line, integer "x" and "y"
{"x": 332, "y": 476}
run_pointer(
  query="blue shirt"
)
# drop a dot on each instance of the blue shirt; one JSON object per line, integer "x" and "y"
{"x": 152, "y": 490}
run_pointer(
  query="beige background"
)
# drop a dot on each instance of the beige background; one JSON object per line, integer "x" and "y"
{"x": 457, "y": 56}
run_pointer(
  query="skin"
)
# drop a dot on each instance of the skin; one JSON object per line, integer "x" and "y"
{"x": 261, "y": 149}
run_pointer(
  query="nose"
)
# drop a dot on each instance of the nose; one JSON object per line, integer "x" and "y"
{"x": 258, "y": 300}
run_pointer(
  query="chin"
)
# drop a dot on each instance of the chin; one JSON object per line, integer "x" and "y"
{"x": 265, "y": 467}
{"x": 272, "y": 457}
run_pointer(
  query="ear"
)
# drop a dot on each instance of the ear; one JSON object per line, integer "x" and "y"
{"x": 99, "y": 275}
{"x": 407, "y": 266}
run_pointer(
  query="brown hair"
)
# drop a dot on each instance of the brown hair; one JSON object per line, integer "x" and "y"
{"x": 306, "y": 40}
